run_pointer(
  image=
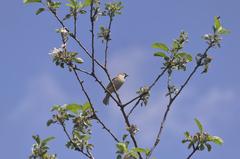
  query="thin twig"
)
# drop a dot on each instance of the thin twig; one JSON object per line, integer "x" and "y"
{"x": 93, "y": 109}
{"x": 133, "y": 108}
{"x": 150, "y": 87}
{"x": 92, "y": 35}
{"x": 83, "y": 71}
{"x": 87, "y": 52}
{"x": 72, "y": 36}
{"x": 75, "y": 24}
{"x": 157, "y": 78}
{"x": 107, "y": 41}
{"x": 74, "y": 144}
{"x": 173, "y": 99}
{"x": 129, "y": 125}
{"x": 191, "y": 154}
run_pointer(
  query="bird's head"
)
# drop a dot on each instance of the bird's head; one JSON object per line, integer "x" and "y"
{"x": 123, "y": 74}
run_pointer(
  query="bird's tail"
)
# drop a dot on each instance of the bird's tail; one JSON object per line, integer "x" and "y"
{"x": 106, "y": 99}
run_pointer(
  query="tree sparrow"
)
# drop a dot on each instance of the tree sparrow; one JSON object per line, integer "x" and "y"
{"x": 117, "y": 82}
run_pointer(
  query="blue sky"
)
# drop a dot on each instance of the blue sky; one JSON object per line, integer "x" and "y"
{"x": 31, "y": 84}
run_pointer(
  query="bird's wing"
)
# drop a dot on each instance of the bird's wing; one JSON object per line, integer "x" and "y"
{"x": 109, "y": 86}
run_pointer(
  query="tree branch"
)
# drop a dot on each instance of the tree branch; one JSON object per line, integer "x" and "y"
{"x": 150, "y": 87}
{"x": 173, "y": 99}
{"x": 129, "y": 125}
{"x": 74, "y": 144}
{"x": 133, "y": 108}
{"x": 93, "y": 109}
{"x": 107, "y": 41}
{"x": 192, "y": 153}
{"x": 92, "y": 35}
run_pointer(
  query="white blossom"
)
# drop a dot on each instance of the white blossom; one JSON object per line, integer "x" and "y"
{"x": 55, "y": 52}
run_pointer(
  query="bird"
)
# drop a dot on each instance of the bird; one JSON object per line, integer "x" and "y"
{"x": 117, "y": 82}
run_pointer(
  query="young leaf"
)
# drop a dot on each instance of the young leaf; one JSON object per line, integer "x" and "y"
{"x": 37, "y": 139}
{"x": 49, "y": 122}
{"x": 200, "y": 127}
{"x": 209, "y": 147}
{"x": 45, "y": 141}
{"x": 187, "y": 135}
{"x": 67, "y": 16}
{"x": 87, "y": 3}
{"x": 122, "y": 147}
{"x": 140, "y": 150}
{"x": 119, "y": 157}
{"x": 184, "y": 54}
{"x": 86, "y": 106}
{"x": 160, "y": 46}
{"x": 217, "y": 23}
{"x": 124, "y": 137}
{"x": 31, "y": 1}
{"x": 217, "y": 140}
{"x": 55, "y": 107}
{"x": 40, "y": 10}
{"x": 73, "y": 108}
{"x": 223, "y": 31}
{"x": 160, "y": 54}
{"x": 78, "y": 60}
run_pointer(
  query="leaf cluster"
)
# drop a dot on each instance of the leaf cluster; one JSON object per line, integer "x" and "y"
{"x": 201, "y": 140}
{"x": 218, "y": 30}
{"x": 40, "y": 148}
{"x": 144, "y": 93}
{"x": 113, "y": 9}
{"x": 174, "y": 57}
{"x": 123, "y": 151}
{"x": 76, "y": 7}
{"x": 62, "y": 58}
{"x": 81, "y": 117}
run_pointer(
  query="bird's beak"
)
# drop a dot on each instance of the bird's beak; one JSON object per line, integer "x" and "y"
{"x": 126, "y": 75}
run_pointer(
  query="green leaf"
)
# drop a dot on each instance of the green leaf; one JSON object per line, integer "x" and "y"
{"x": 147, "y": 151}
{"x": 160, "y": 46}
{"x": 55, "y": 107}
{"x": 85, "y": 137}
{"x": 73, "y": 2}
{"x": 140, "y": 150}
{"x": 31, "y": 1}
{"x": 223, "y": 31}
{"x": 55, "y": 5}
{"x": 187, "y": 134}
{"x": 217, "y": 140}
{"x": 36, "y": 138}
{"x": 184, "y": 54}
{"x": 119, "y": 157}
{"x": 87, "y": 3}
{"x": 86, "y": 106}
{"x": 200, "y": 127}
{"x": 73, "y": 108}
{"x": 209, "y": 147}
{"x": 132, "y": 154}
{"x": 70, "y": 5}
{"x": 45, "y": 141}
{"x": 160, "y": 54}
{"x": 67, "y": 16}
{"x": 49, "y": 122}
{"x": 124, "y": 137}
{"x": 201, "y": 147}
{"x": 217, "y": 23}
{"x": 40, "y": 10}
{"x": 122, "y": 147}
{"x": 78, "y": 60}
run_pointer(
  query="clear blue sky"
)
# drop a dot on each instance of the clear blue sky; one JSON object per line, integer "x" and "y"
{"x": 31, "y": 84}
